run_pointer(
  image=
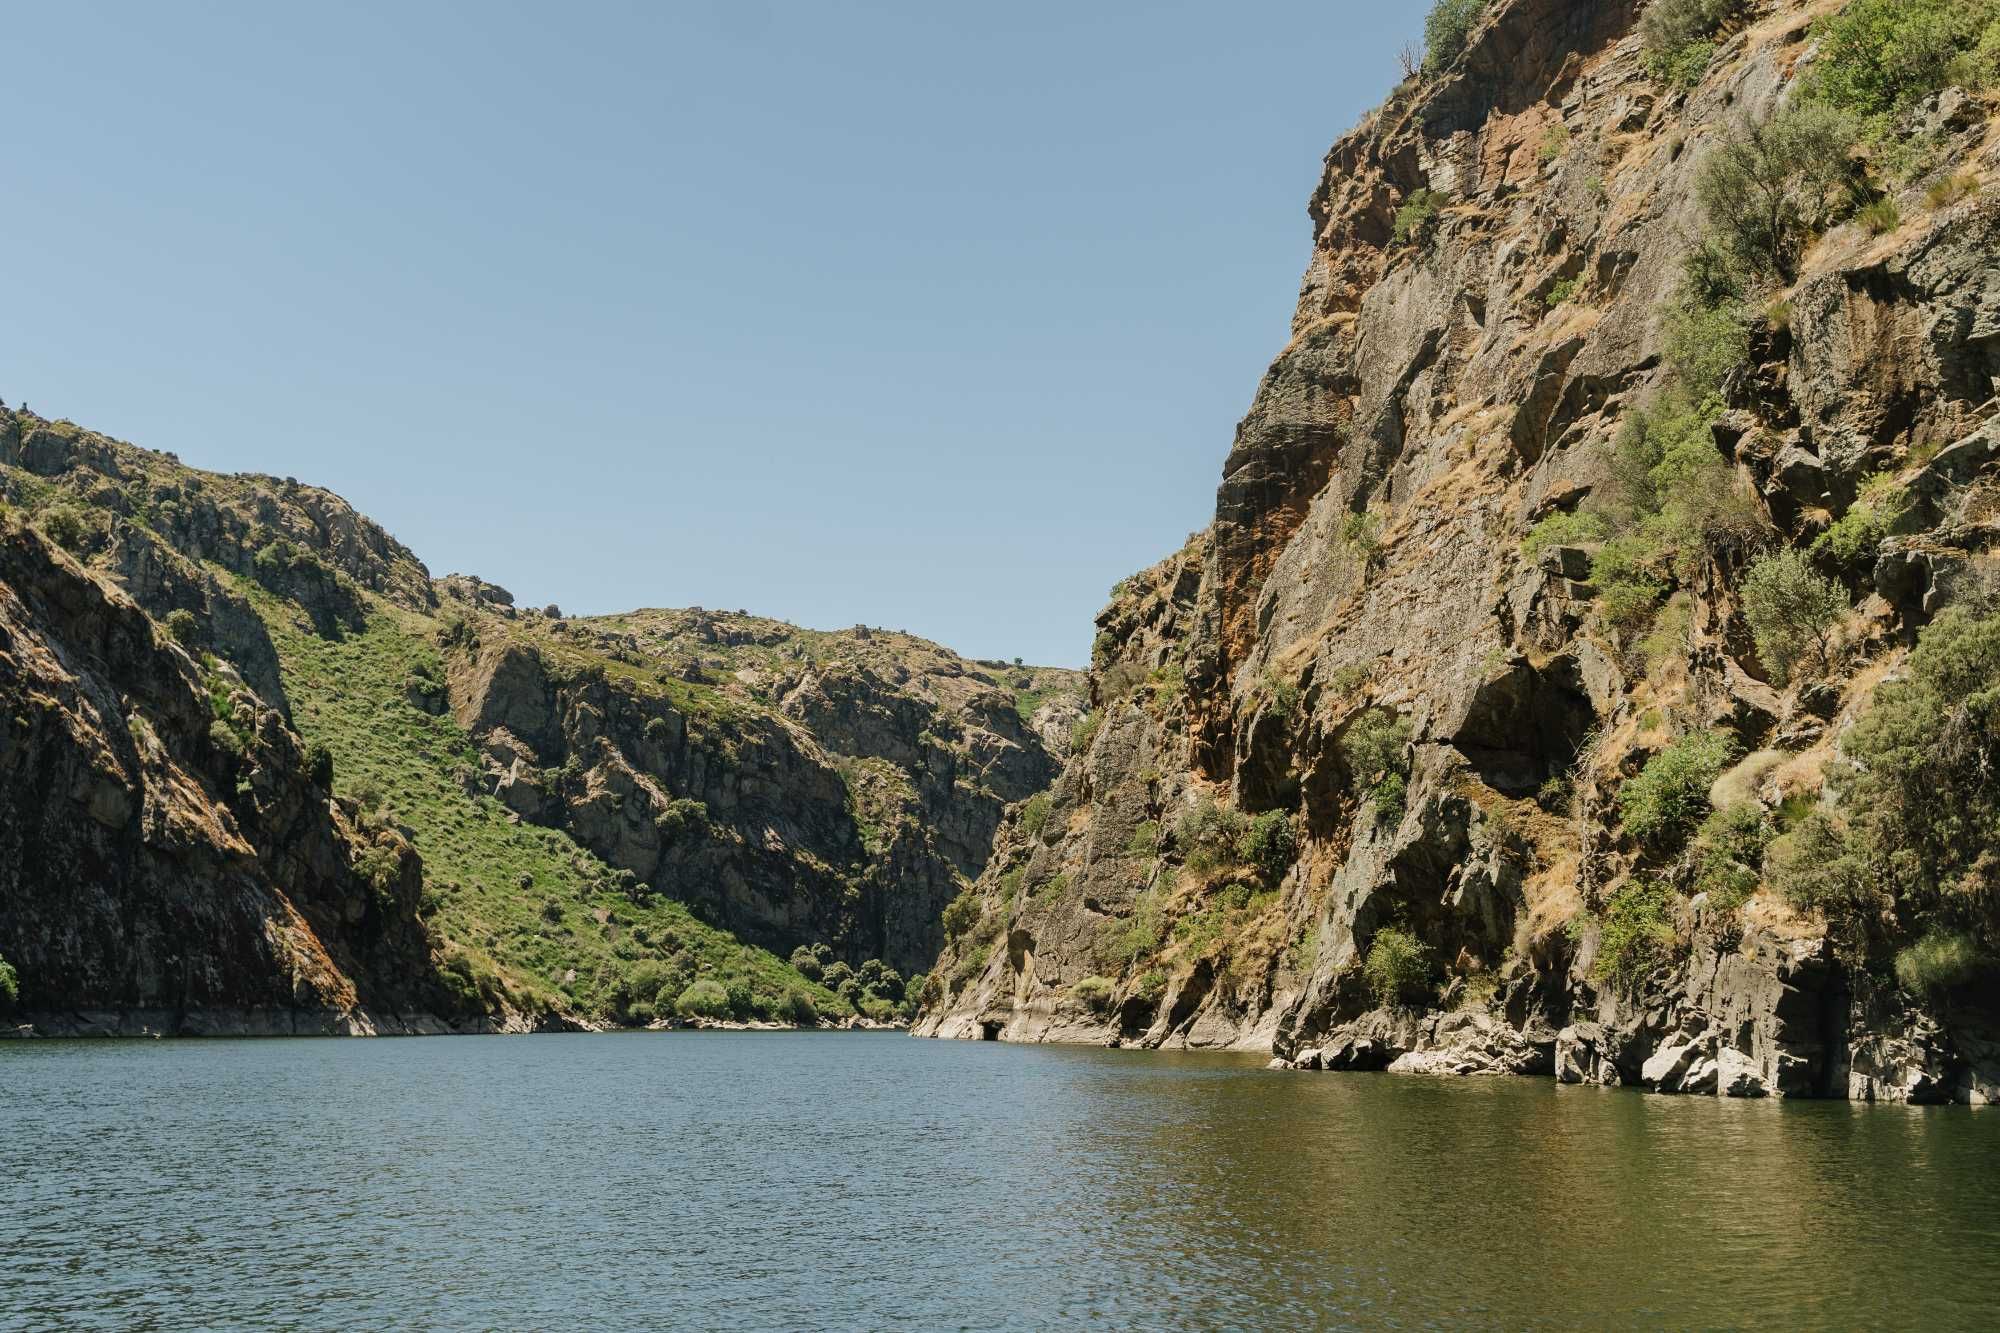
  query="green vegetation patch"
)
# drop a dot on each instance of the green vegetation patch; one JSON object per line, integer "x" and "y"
{"x": 1669, "y": 796}
{"x": 1447, "y": 30}
{"x": 525, "y": 913}
{"x": 1398, "y": 966}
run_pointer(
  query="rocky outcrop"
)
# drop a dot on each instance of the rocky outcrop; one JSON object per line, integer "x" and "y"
{"x": 1359, "y": 650}
{"x": 806, "y": 789}
{"x": 165, "y": 848}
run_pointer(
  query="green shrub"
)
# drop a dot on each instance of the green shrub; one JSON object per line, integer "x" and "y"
{"x": 1350, "y": 678}
{"x": 1630, "y": 585}
{"x": 1085, "y": 732}
{"x": 1789, "y": 608}
{"x": 970, "y": 965}
{"x": 1094, "y": 993}
{"x": 1939, "y": 961}
{"x": 1729, "y": 847}
{"x": 1812, "y": 867}
{"x": 1035, "y": 814}
{"x": 1772, "y": 183}
{"x": 1417, "y": 218}
{"x": 1877, "y": 512}
{"x": 1675, "y": 36}
{"x": 1374, "y": 745}
{"x": 1683, "y": 66}
{"x": 1582, "y": 528}
{"x": 319, "y": 766}
{"x": 181, "y": 626}
{"x": 806, "y": 963}
{"x": 1878, "y": 57}
{"x": 1916, "y": 772}
{"x": 1554, "y": 140}
{"x": 64, "y": 525}
{"x": 1209, "y": 824}
{"x": 1388, "y": 798}
{"x": 1447, "y": 30}
{"x": 1120, "y": 942}
{"x": 836, "y": 974}
{"x": 10, "y": 987}
{"x": 798, "y": 1006}
{"x": 703, "y": 999}
{"x": 1362, "y": 531}
{"x": 1637, "y": 936}
{"x": 1667, "y": 637}
{"x": 1145, "y": 839}
{"x": 1270, "y": 844}
{"x": 1397, "y": 966}
{"x": 961, "y": 913}
{"x": 1283, "y": 696}
{"x": 1563, "y": 292}
{"x": 1663, "y": 802}
{"x": 1704, "y": 342}
{"x": 1150, "y": 985}
{"x": 1709, "y": 277}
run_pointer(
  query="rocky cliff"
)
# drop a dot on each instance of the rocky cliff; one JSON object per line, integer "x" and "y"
{"x": 1598, "y": 583}
{"x": 307, "y": 786}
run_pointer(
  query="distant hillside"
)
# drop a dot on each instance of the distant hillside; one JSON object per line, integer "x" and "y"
{"x": 586, "y": 817}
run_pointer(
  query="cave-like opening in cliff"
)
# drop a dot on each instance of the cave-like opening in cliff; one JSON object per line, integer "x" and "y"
{"x": 1526, "y": 725}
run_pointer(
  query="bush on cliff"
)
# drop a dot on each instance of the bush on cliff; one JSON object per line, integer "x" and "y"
{"x": 1878, "y": 57}
{"x": 1035, "y": 814}
{"x": 1676, "y": 37}
{"x": 1094, "y": 993}
{"x": 1447, "y": 29}
{"x": 1397, "y": 967}
{"x": 1790, "y": 608}
{"x": 1878, "y": 511}
{"x": 1939, "y": 961}
{"x": 1773, "y": 183}
{"x": 10, "y": 987}
{"x": 806, "y": 963}
{"x": 1581, "y": 528}
{"x": 1270, "y": 844}
{"x": 961, "y": 913}
{"x": 1415, "y": 221}
{"x": 1907, "y": 853}
{"x": 1670, "y": 794}
{"x": 1637, "y": 935}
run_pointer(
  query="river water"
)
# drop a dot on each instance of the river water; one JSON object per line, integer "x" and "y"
{"x": 796, "y": 1181}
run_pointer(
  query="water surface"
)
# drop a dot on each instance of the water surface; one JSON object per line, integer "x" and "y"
{"x": 787, "y": 1181}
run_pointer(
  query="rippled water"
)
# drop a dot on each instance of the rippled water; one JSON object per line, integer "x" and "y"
{"x": 860, "y": 1181}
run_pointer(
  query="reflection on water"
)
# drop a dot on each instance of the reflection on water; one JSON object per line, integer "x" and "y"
{"x": 795, "y": 1181}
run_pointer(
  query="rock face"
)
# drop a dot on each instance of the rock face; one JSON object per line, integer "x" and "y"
{"x": 796, "y": 787}
{"x": 157, "y": 861}
{"x": 1359, "y": 648}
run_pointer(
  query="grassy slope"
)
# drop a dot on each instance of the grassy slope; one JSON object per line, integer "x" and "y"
{"x": 568, "y": 940}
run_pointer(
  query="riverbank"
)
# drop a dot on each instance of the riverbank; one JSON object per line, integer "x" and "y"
{"x": 360, "y": 1023}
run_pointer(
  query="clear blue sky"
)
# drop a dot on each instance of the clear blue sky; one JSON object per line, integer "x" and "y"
{"x": 932, "y": 316}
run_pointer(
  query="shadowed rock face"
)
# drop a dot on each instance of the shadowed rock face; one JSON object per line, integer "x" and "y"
{"x": 1366, "y": 560}
{"x": 156, "y": 860}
